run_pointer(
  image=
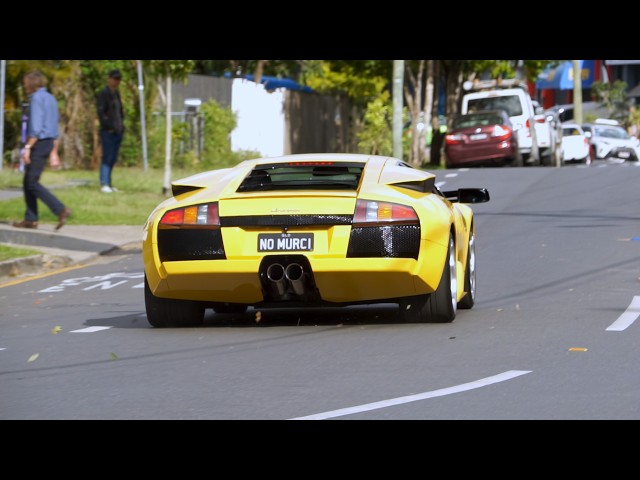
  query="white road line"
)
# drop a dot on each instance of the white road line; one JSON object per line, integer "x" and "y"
{"x": 628, "y": 317}
{"x": 90, "y": 330}
{"x": 419, "y": 396}
{"x": 450, "y": 175}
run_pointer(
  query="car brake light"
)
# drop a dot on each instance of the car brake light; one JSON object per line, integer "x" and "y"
{"x": 368, "y": 211}
{"x": 528, "y": 125}
{"x": 312, "y": 164}
{"x": 501, "y": 132}
{"x": 453, "y": 139}
{"x": 205, "y": 214}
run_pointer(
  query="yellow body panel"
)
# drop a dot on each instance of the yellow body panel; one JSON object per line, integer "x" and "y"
{"x": 338, "y": 278}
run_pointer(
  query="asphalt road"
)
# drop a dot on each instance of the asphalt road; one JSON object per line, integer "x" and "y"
{"x": 554, "y": 333}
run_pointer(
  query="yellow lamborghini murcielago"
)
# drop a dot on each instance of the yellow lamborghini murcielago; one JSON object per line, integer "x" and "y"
{"x": 310, "y": 230}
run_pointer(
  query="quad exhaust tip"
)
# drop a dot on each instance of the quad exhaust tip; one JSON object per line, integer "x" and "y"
{"x": 281, "y": 278}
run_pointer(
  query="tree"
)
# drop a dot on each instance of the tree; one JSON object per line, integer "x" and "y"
{"x": 614, "y": 97}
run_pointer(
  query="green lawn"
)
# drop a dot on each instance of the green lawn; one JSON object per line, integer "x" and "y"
{"x": 139, "y": 194}
{"x": 7, "y": 253}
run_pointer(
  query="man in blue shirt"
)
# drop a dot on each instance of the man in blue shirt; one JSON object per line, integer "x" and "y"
{"x": 42, "y": 136}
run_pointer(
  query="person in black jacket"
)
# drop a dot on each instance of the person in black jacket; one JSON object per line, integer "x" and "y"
{"x": 111, "y": 118}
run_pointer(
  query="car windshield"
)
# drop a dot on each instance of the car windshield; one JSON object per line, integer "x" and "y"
{"x": 509, "y": 103}
{"x": 303, "y": 176}
{"x": 612, "y": 132}
{"x": 476, "y": 120}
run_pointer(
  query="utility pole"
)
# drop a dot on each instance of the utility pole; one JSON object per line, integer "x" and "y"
{"x": 577, "y": 92}
{"x": 143, "y": 126}
{"x": 166, "y": 186}
{"x": 519, "y": 69}
{"x": 2, "y": 82}
{"x": 398, "y": 83}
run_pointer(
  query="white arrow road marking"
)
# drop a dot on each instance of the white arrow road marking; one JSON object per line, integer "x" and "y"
{"x": 419, "y": 396}
{"x": 628, "y": 317}
{"x": 90, "y": 330}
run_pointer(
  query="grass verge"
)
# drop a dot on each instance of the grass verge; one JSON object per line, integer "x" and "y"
{"x": 9, "y": 253}
{"x": 139, "y": 193}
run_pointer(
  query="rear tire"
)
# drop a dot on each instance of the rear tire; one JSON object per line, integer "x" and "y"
{"x": 469, "y": 299}
{"x": 167, "y": 312}
{"x": 439, "y": 306}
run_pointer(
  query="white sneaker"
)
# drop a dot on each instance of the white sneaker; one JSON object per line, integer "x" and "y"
{"x": 106, "y": 189}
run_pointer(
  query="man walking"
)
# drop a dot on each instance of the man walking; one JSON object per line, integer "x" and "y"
{"x": 42, "y": 136}
{"x": 111, "y": 118}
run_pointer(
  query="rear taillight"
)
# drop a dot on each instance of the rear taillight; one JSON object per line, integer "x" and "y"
{"x": 368, "y": 211}
{"x": 501, "y": 132}
{"x": 204, "y": 215}
{"x": 453, "y": 139}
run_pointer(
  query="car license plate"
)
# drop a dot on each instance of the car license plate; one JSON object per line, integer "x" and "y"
{"x": 623, "y": 154}
{"x": 478, "y": 136}
{"x": 285, "y": 242}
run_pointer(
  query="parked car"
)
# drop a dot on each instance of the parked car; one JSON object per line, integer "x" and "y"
{"x": 310, "y": 230}
{"x": 483, "y": 138}
{"x": 565, "y": 112}
{"x": 575, "y": 144}
{"x": 513, "y": 97}
{"x": 611, "y": 141}
{"x": 547, "y": 135}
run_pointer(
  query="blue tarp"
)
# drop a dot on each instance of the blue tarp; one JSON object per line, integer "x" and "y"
{"x": 561, "y": 77}
{"x": 273, "y": 83}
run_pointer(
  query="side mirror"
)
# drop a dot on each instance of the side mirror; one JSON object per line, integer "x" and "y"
{"x": 468, "y": 195}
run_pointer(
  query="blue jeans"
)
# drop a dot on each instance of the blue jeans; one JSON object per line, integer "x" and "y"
{"x": 110, "y": 145}
{"x": 33, "y": 189}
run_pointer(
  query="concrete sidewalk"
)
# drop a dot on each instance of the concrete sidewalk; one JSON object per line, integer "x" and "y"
{"x": 71, "y": 245}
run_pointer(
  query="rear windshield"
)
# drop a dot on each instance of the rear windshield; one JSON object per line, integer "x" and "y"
{"x": 509, "y": 103}
{"x": 477, "y": 120}
{"x": 611, "y": 132}
{"x": 303, "y": 176}
{"x": 569, "y": 131}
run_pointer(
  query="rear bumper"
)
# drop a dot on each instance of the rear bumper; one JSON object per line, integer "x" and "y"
{"x": 624, "y": 153}
{"x": 239, "y": 281}
{"x": 338, "y": 280}
{"x": 491, "y": 153}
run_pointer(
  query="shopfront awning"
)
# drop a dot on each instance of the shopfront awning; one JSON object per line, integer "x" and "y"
{"x": 561, "y": 77}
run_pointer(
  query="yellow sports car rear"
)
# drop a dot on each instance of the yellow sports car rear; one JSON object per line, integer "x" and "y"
{"x": 310, "y": 230}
